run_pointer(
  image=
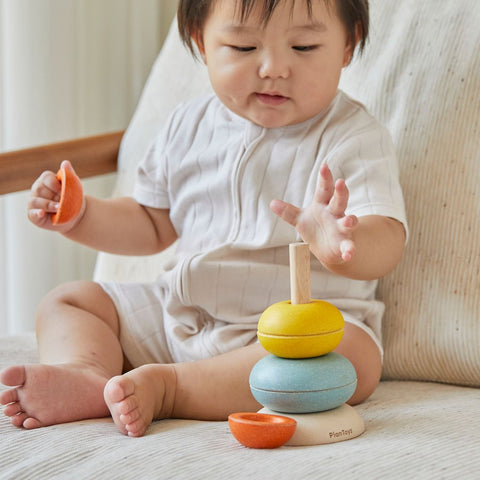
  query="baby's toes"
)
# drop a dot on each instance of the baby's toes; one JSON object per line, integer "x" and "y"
{"x": 137, "y": 428}
{"x": 130, "y": 417}
{"x": 12, "y": 409}
{"x": 31, "y": 423}
{"x": 17, "y": 420}
{"x": 118, "y": 389}
{"x": 127, "y": 405}
{"x": 9, "y": 396}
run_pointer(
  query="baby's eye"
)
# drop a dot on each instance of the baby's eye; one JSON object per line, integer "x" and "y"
{"x": 305, "y": 48}
{"x": 242, "y": 49}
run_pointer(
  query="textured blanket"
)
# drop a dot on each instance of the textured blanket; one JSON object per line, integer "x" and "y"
{"x": 414, "y": 430}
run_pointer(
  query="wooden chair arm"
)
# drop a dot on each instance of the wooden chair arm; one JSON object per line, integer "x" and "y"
{"x": 90, "y": 156}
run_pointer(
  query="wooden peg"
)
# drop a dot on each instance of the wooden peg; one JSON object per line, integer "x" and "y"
{"x": 299, "y": 273}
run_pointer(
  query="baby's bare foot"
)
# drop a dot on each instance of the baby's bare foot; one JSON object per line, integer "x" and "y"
{"x": 51, "y": 394}
{"x": 140, "y": 396}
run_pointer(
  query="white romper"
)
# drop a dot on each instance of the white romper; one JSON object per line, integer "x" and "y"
{"x": 218, "y": 173}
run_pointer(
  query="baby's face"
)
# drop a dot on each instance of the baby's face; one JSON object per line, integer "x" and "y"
{"x": 279, "y": 74}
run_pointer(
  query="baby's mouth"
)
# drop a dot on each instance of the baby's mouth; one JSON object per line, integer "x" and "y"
{"x": 271, "y": 98}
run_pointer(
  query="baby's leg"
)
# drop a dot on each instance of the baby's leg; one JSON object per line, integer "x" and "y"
{"x": 360, "y": 348}
{"x": 77, "y": 331}
{"x": 211, "y": 389}
{"x": 208, "y": 389}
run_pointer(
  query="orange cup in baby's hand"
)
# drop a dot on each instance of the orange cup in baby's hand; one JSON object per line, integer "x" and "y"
{"x": 71, "y": 197}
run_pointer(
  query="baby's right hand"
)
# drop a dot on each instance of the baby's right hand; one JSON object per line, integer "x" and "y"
{"x": 44, "y": 200}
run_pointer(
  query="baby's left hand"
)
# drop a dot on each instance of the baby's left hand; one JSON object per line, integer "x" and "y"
{"x": 323, "y": 224}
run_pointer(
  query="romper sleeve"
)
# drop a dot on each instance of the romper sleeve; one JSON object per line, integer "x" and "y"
{"x": 151, "y": 184}
{"x": 366, "y": 160}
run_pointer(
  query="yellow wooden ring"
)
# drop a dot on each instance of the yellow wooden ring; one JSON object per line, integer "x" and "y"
{"x": 300, "y": 331}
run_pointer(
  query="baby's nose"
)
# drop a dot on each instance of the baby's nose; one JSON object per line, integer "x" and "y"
{"x": 273, "y": 65}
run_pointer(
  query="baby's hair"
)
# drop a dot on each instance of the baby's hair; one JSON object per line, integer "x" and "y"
{"x": 192, "y": 15}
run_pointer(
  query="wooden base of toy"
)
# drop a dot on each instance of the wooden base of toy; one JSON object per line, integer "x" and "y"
{"x": 337, "y": 425}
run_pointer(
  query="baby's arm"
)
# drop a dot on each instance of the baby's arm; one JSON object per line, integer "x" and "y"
{"x": 362, "y": 248}
{"x": 123, "y": 227}
{"x": 118, "y": 225}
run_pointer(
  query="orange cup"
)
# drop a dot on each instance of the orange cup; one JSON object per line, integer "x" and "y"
{"x": 261, "y": 430}
{"x": 71, "y": 197}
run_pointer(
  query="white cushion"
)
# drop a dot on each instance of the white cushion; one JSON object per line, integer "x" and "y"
{"x": 413, "y": 430}
{"x": 420, "y": 75}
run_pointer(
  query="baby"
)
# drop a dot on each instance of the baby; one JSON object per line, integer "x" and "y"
{"x": 278, "y": 154}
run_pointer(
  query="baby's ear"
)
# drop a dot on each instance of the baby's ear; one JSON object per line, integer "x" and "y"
{"x": 352, "y": 45}
{"x": 198, "y": 41}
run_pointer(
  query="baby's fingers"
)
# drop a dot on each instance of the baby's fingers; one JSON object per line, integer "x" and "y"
{"x": 339, "y": 201}
{"x": 38, "y": 210}
{"x": 37, "y": 216}
{"x": 44, "y": 204}
{"x": 324, "y": 190}
{"x": 347, "y": 224}
{"x": 347, "y": 249}
{"x": 47, "y": 186}
{"x": 286, "y": 211}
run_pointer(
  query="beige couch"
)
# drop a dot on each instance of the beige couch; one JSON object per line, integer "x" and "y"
{"x": 420, "y": 75}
